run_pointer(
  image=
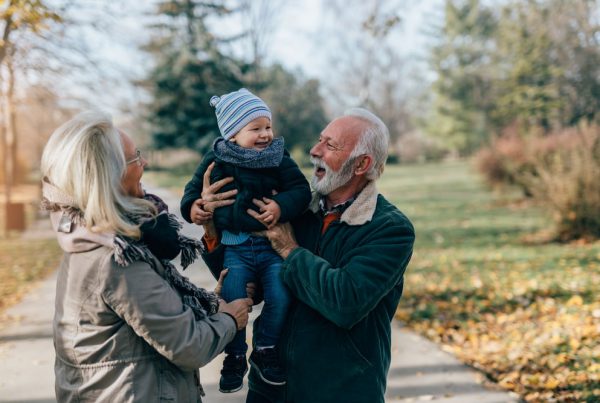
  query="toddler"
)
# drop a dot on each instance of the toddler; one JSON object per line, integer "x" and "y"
{"x": 259, "y": 164}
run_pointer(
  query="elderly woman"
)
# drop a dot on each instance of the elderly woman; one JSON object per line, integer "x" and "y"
{"x": 127, "y": 327}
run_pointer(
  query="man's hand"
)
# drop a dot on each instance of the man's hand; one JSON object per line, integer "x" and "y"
{"x": 282, "y": 239}
{"x": 239, "y": 309}
{"x": 270, "y": 212}
{"x": 210, "y": 200}
{"x": 198, "y": 215}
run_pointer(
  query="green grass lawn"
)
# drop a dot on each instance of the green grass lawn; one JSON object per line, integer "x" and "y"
{"x": 524, "y": 312}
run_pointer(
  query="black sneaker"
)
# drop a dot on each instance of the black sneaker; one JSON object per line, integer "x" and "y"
{"x": 265, "y": 361}
{"x": 232, "y": 374}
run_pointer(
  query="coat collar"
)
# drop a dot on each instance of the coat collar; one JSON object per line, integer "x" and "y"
{"x": 359, "y": 212}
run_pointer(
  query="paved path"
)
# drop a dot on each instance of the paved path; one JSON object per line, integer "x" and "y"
{"x": 420, "y": 371}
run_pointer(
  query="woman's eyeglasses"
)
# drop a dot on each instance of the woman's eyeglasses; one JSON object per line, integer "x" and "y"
{"x": 137, "y": 159}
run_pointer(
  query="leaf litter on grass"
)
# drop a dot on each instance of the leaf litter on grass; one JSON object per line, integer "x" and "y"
{"x": 22, "y": 264}
{"x": 526, "y": 314}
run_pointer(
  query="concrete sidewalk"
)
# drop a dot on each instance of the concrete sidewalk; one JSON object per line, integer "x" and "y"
{"x": 420, "y": 371}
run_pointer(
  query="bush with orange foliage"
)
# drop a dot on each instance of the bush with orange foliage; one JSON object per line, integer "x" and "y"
{"x": 560, "y": 170}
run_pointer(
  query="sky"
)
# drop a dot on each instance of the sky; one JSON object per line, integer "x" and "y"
{"x": 297, "y": 42}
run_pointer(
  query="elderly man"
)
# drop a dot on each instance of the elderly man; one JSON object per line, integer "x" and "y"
{"x": 344, "y": 262}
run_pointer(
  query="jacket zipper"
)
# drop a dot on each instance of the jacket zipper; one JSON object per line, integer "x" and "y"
{"x": 236, "y": 218}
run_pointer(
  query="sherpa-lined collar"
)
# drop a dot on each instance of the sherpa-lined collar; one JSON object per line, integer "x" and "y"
{"x": 360, "y": 211}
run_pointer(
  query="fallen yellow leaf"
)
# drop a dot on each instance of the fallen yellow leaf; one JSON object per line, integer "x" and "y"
{"x": 575, "y": 300}
{"x": 551, "y": 383}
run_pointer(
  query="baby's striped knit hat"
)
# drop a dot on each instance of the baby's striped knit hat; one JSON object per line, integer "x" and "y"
{"x": 236, "y": 109}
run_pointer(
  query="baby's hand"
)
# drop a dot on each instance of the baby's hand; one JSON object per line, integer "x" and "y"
{"x": 197, "y": 213}
{"x": 270, "y": 212}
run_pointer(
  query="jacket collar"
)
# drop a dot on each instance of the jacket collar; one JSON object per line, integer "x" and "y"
{"x": 68, "y": 224}
{"x": 73, "y": 237}
{"x": 360, "y": 211}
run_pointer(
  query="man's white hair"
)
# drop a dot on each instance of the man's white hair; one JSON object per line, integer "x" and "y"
{"x": 84, "y": 158}
{"x": 374, "y": 141}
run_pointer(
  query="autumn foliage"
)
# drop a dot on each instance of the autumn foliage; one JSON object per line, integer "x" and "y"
{"x": 561, "y": 171}
{"x": 22, "y": 263}
{"x": 527, "y": 315}
{"x": 528, "y": 335}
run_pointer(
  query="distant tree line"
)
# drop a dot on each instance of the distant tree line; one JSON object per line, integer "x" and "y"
{"x": 524, "y": 63}
{"x": 520, "y": 85}
{"x": 191, "y": 64}
{"x": 512, "y": 63}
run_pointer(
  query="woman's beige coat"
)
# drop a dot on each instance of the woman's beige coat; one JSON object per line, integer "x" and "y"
{"x": 122, "y": 334}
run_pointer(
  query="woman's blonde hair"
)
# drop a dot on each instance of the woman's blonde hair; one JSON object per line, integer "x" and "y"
{"x": 84, "y": 158}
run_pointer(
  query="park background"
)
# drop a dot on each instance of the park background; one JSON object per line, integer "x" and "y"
{"x": 493, "y": 109}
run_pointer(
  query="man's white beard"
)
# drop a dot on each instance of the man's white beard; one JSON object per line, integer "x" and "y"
{"x": 332, "y": 180}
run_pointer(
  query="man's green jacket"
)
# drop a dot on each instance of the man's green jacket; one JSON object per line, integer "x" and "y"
{"x": 347, "y": 282}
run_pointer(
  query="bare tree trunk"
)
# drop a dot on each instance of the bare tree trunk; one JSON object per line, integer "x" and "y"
{"x": 5, "y": 157}
{"x": 8, "y": 27}
{"x": 6, "y": 150}
{"x": 11, "y": 128}
{"x": 9, "y": 143}
{"x": 260, "y": 19}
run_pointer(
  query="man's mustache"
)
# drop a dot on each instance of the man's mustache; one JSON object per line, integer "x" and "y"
{"x": 319, "y": 163}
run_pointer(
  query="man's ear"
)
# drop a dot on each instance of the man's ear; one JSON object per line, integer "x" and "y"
{"x": 365, "y": 164}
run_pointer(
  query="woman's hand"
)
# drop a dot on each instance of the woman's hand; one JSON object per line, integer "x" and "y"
{"x": 250, "y": 287}
{"x": 254, "y": 292}
{"x": 219, "y": 286}
{"x": 238, "y": 309}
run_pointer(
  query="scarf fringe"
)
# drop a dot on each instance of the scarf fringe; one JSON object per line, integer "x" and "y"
{"x": 202, "y": 302}
{"x": 191, "y": 249}
{"x": 174, "y": 221}
{"x": 128, "y": 251}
